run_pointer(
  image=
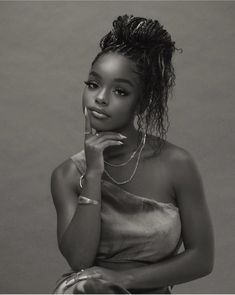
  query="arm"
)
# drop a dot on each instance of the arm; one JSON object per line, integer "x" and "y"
{"x": 77, "y": 225}
{"x": 198, "y": 258}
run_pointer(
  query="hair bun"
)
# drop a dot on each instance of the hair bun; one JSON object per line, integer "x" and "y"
{"x": 149, "y": 46}
{"x": 137, "y": 32}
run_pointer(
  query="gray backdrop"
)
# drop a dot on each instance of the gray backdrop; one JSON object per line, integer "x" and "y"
{"x": 45, "y": 53}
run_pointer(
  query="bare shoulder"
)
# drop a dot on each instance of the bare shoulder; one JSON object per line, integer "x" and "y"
{"x": 66, "y": 174}
{"x": 176, "y": 155}
{"x": 172, "y": 154}
{"x": 183, "y": 169}
{"x": 180, "y": 164}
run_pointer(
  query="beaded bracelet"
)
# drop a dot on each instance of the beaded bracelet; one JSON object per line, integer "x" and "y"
{"x": 86, "y": 201}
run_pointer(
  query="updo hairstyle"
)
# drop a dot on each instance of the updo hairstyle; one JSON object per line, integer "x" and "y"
{"x": 146, "y": 43}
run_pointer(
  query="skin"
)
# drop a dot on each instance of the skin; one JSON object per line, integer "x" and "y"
{"x": 171, "y": 176}
{"x": 114, "y": 97}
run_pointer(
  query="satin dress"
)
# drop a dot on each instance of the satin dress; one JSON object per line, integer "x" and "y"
{"x": 133, "y": 229}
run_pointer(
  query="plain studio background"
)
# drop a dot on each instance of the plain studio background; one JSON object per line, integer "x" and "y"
{"x": 45, "y": 54}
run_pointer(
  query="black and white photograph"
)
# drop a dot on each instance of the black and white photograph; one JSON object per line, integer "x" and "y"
{"x": 117, "y": 147}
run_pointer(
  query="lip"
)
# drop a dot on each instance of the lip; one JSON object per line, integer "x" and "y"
{"x": 100, "y": 111}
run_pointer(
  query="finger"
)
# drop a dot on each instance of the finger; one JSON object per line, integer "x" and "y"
{"x": 88, "y": 129}
{"x": 70, "y": 283}
{"x": 104, "y": 133}
{"x": 72, "y": 278}
{"x": 63, "y": 285}
{"x": 107, "y": 143}
{"x": 95, "y": 276}
{"x": 81, "y": 278}
{"x": 111, "y": 136}
{"x": 90, "y": 276}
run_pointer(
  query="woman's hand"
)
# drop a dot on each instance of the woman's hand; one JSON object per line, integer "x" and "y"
{"x": 104, "y": 274}
{"x": 115, "y": 277}
{"x": 95, "y": 144}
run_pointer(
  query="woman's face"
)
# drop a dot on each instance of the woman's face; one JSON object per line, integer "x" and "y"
{"x": 113, "y": 88}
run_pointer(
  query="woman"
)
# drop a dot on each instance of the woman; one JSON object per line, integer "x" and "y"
{"x": 127, "y": 202}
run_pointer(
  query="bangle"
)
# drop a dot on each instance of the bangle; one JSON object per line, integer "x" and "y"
{"x": 81, "y": 178}
{"x": 86, "y": 201}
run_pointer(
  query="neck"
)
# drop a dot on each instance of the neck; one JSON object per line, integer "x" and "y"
{"x": 129, "y": 145}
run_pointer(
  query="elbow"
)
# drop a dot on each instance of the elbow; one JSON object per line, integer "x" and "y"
{"x": 77, "y": 264}
{"x": 69, "y": 255}
{"x": 75, "y": 260}
{"x": 202, "y": 263}
{"x": 209, "y": 260}
{"x": 207, "y": 268}
{"x": 205, "y": 265}
{"x": 74, "y": 263}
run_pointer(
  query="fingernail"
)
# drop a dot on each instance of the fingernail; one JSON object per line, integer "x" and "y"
{"x": 122, "y": 136}
{"x": 71, "y": 282}
{"x": 85, "y": 277}
{"x": 85, "y": 111}
{"x": 120, "y": 142}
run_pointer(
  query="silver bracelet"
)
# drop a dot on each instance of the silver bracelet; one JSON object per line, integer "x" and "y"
{"x": 87, "y": 201}
{"x": 81, "y": 178}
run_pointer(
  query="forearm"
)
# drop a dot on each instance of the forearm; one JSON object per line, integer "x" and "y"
{"x": 80, "y": 241}
{"x": 180, "y": 268}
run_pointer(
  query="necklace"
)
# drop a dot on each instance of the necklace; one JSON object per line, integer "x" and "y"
{"x": 131, "y": 157}
{"x": 132, "y": 175}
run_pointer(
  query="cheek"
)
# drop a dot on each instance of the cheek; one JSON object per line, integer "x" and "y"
{"x": 126, "y": 111}
{"x": 133, "y": 107}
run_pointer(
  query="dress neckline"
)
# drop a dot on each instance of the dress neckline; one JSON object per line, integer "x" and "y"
{"x": 163, "y": 204}
{"x": 109, "y": 183}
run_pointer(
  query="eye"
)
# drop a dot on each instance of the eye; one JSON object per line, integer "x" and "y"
{"x": 91, "y": 84}
{"x": 120, "y": 92}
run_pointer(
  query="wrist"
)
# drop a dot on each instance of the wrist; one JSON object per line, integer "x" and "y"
{"x": 93, "y": 174}
{"x": 90, "y": 177}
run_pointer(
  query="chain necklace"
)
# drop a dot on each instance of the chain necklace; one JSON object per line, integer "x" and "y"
{"x": 137, "y": 163}
{"x": 131, "y": 157}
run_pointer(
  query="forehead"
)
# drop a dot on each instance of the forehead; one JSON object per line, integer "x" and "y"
{"x": 114, "y": 65}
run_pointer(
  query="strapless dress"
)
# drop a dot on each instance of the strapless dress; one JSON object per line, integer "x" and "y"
{"x": 134, "y": 229}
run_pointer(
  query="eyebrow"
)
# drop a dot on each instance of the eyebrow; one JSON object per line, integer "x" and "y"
{"x": 117, "y": 79}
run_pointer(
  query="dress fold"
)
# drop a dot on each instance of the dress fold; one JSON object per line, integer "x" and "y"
{"x": 134, "y": 229}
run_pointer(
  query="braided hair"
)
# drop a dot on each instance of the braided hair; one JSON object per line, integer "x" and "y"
{"x": 149, "y": 45}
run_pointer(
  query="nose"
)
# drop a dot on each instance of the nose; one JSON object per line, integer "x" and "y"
{"x": 102, "y": 97}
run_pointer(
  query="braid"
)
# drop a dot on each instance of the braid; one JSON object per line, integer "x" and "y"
{"x": 149, "y": 45}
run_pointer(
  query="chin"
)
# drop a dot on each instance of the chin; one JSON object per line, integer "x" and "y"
{"x": 104, "y": 125}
